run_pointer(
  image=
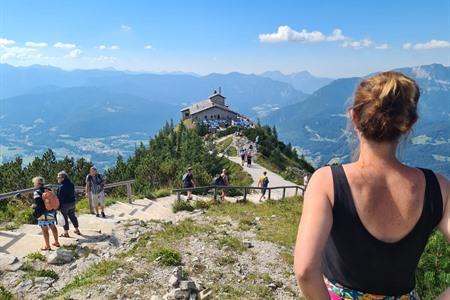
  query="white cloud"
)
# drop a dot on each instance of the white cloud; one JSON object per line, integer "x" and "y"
{"x": 433, "y": 44}
{"x": 75, "y": 53}
{"x": 364, "y": 43}
{"x": 287, "y": 34}
{"x": 382, "y": 46}
{"x": 105, "y": 58}
{"x": 336, "y": 36}
{"x": 36, "y": 44}
{"x": 19, "y": 53}
{"x": 6, "y": 42}
{"x": 64, "y": 45}
{"x": 407, "y": 46}
{"x": 125, "y": 27}
{"x": 104, "y": 47}
{"x": 148, "y": 47}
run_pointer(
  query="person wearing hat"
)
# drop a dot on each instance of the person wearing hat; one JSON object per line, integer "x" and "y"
{"x": 188, "y": 182}
{"x": 66, "y": 196}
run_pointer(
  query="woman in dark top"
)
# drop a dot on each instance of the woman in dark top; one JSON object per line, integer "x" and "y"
{"x": 66, "y": 196}
{"x": 365, "y": 224}
{"x": 45, "y": 218}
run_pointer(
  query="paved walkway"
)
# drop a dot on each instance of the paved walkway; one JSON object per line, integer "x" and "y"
{"x": 28, "y": 238}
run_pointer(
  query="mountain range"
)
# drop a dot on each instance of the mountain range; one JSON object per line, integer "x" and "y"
{"x": 318, "y": 126}
{"x": 101, "y": 113}
{"x": 303, "y": 81}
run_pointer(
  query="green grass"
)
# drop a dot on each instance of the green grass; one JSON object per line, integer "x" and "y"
{"x": 180, "y": 205}
{"x": 42, "y": 273}
{"x": 224, "y": 144}
{"x": 5, "y": 294}
{"x": 278, "y": 219}
{"x": 95, "y": 274}
{"x": 232, "y": 243}
{"x": 433, "y": 274}
{"x": 200, "y": 204}
{"x": 167, "y": 257}
{"x": 36, "y": 256}
{"x": 226, "y": 260}
{"x": 17, "y": 211}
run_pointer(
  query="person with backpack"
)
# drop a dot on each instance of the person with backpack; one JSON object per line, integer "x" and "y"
{"x": 66, "y": 196}
{"x": 249, "y": 156}
{"x": 95, "y": 184}
{"x": 224, "y": 182}
{"x": 188, "y": 182}
{"x": 44, "y": 210}
{"x": 242, "y": 155}
{"x": 263, "y": 182}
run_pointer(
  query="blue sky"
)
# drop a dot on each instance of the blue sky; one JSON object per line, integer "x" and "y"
{"x": 327, "y": 38}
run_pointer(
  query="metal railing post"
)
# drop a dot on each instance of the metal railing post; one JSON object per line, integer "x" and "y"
{"x": 270, "y": 192}
{"x": 179, "y": 196}
{"x": 284, "y": 193}
{"x": 296, "y": 191}
{"x": 129, "y": 192}
{"x": 245, "y": 194}
{"x": 215, "y": 193}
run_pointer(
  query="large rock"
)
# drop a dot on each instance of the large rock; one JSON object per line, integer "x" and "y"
{"x": 188, "y": 285}
{"x": 60, "y": 256}
{"x": 9, "y": 262}
{"x": 206, "y": 294}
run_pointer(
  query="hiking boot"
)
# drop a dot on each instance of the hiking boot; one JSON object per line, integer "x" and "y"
{"x": 103, "y": 215}
{"x": 97, "y": 215}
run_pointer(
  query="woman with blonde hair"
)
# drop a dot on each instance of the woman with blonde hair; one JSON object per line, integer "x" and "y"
{"x": 365, "y": 224}
{"x": 46, "y": 218}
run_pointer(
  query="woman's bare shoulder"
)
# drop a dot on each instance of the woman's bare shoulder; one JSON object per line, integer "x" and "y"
{"x": 321, "y": 182}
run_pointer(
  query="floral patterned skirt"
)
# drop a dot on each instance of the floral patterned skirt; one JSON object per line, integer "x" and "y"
{"x": 339, "y": 292}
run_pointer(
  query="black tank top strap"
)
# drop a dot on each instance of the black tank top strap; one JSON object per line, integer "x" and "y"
{"x": 433, "y": 197}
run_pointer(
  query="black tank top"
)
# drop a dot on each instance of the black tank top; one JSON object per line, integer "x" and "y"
{"x": 356, "y": 259}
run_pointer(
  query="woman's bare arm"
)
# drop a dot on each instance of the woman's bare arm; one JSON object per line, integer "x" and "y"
{"x": 444, "y": 225}
{"x": 313, "y": 232}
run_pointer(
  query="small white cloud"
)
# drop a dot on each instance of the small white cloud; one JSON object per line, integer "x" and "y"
{"x": 6, "y": 42}
{"x": 382, "y": 47}
{"x": 125, "y": 27}
{"x": 20, "y": 53}
{"x": 148, "y": 47}
{"x": 336, "y": 36}
{"x": 364, "y": 43}
{"x": 105, "y": 58}
{"x": 64, "y": 45}
{"x": 75, "y": 53}
{"x": 287, "y": 34}
{"x": 104, "y": 47}
{"x": 407, "y": 46}
{"x": 36, "y": 44}
{"x": 433, "y": 44}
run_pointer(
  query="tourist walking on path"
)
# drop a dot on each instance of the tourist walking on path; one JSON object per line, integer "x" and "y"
{"x": 248, "y": 155}
{"x": 365, "y": 224}
{"x": 242, "y": 155}
{"x": 44, "y": 210}
{"x": 188, "y": 182}
{"x": 263, "y": 182}
{"x": 66, "y": 196}
{"x": 95, "y": 184}
{"x": 225, "y": 182}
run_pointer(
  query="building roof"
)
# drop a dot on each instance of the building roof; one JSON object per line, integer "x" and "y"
{"x": 211, "y": 106}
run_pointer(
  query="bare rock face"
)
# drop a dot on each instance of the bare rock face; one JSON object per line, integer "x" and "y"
{"x": 60, "y": 257}
{"x": 9, "y": 262}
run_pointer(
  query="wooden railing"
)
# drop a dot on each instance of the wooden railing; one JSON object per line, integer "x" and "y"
{"x": 245, "y": 189}
{"x": 78, "y": 189}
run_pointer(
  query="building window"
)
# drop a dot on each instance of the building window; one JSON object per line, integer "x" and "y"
{"x": 206, "y": 117}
